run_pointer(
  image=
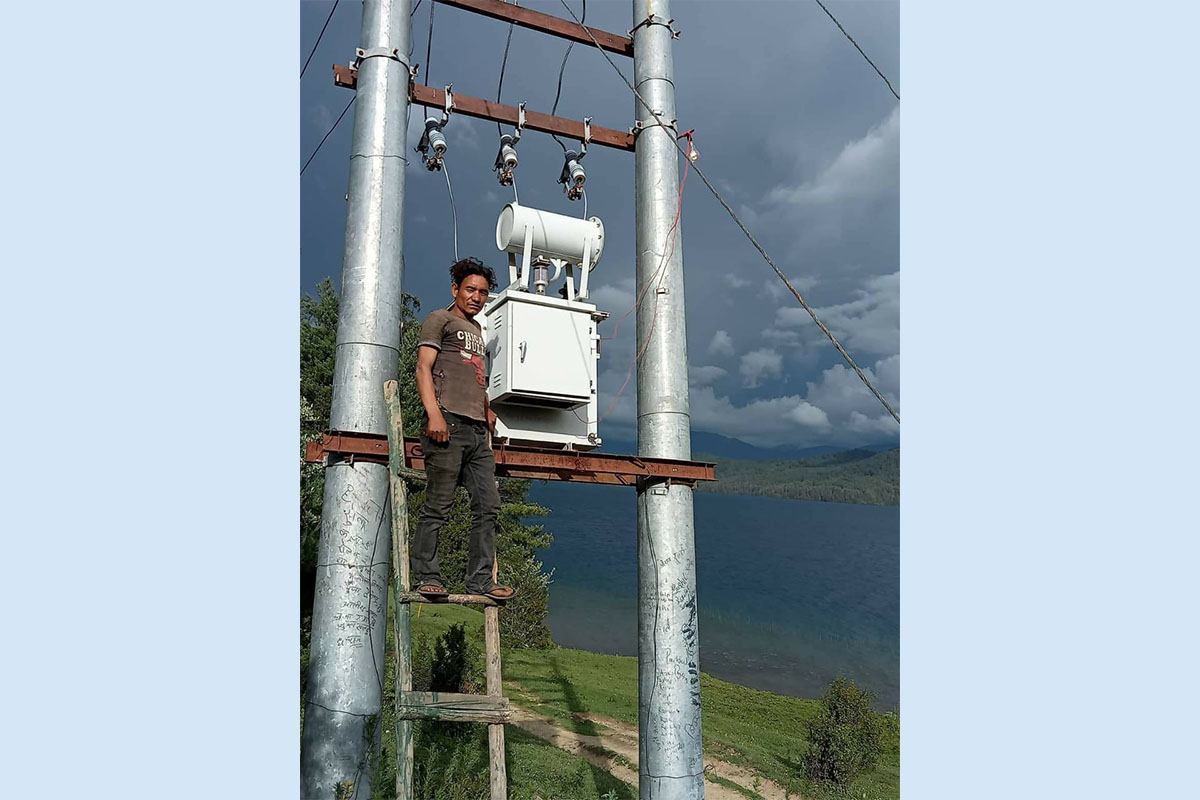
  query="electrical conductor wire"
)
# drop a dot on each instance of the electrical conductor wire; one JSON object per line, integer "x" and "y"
{"x": 453, "y": 212}
{"x": 312, "y": 52}
{"x": 860, "y": 50}
{"x": 503, "y": 64}
{"x": 662, "y": 123}
{"x": 561, "y": 70}
{"x": 429, "y": 50}
{"x": 326, "y": 136}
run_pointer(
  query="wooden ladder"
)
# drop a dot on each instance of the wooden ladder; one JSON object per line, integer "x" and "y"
{"x": 491, "y": 708}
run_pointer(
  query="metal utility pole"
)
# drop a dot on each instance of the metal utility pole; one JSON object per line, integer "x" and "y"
{"x": 345, "y": 675}
{"x": 670, "y": 762}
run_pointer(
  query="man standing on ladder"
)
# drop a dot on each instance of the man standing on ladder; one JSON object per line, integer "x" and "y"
{"x": 452, "y": 382}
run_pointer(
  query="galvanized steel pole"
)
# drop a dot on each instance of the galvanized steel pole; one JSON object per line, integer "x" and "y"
{"x": 670, "y": 762}
{"x": 345, "y": 675}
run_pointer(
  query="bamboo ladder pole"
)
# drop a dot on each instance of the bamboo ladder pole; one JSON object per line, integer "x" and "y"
{"x": 402, "y": 618}
{"x": 495, "y": 690}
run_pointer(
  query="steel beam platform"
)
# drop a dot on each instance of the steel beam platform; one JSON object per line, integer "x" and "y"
{"x": 523, "y": 462}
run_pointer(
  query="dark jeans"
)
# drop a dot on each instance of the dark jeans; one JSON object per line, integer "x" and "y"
{"x": 465, "y": 460}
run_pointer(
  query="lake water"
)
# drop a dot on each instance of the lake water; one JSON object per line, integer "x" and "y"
{"x": 829, "y": 578}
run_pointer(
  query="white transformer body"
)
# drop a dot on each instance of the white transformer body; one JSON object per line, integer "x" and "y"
{"x": 542, "y": 354}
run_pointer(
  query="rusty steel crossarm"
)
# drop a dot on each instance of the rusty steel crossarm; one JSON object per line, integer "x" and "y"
{"x": 525, "y": 462}
{"x": 545, "y": 23}
{"x": 347, "y": 78}
{"x": 534, "y": 120}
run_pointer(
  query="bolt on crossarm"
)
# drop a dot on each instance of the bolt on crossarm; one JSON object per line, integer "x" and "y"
{"x": 342, "y": 722}
{"x": 670, "y": 748}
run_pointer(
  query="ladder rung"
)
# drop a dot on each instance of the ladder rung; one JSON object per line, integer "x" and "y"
{"x": 453, "y": 700}
{"x": 453, "y": 707}
{"x": 453, "y": 599}
{"x": 415, "y": 474}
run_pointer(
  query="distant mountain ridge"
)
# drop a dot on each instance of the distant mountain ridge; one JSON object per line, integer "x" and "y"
{"x": 721, "y": 447}
{"x": 869, "y": 474}
{"x": 850, "y": 476}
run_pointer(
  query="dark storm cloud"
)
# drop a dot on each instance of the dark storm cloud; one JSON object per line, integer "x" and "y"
{"x": 795, "y": 128}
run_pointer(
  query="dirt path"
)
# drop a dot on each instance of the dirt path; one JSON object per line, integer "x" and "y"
{"x": 615, "y": 750}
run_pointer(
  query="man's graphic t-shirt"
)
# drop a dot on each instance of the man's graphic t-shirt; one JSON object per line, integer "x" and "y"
{"x": 459, "y": 371}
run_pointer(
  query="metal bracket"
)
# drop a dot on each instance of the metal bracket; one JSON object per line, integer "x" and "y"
{"x": 640, "y": 125}
{"x": 587, "y": 136}
{"x": 520, "y": 120}
{"x": 654, "y": 19}
{"x": 449, "y": 103}
{"x": 393, "y": 53}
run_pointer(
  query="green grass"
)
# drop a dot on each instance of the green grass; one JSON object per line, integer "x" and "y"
{"x": 761, "y": 731}
{"x": 453, "y": 758}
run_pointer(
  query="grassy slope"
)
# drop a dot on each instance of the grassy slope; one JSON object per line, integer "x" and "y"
{"x": 763, "y": 731}
{"x": 760, "y": 730}
{"x": 536, "y": 770}
{"x": 853, "y": 476}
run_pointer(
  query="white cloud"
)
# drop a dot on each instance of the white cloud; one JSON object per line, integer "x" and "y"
{"x": 760, "y": 364}
{"x": 721, "y": 344}
{"x": 736, "y": 282}
{"x": 787, "y": 337}
{"x": 704, "y": 376}
{"x": 615, "y": 298}
{"x": 870, "y": 323}
{"x": 837, "y": 409}
{"x": 776, "y": 289}
{"x": 764, "y": 422}
{"x": 865, "y": 168}
{"x": 843, "y": 395}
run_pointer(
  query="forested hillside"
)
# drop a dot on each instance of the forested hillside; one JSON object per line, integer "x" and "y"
{"x": 851, "y": 476}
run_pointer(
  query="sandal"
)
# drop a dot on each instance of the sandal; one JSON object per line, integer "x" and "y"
{"x": 432, "y": 590}
{"x": 500, "y": 592}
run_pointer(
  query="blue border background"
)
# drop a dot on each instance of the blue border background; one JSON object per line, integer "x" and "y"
{"x": 1049, "y": 257}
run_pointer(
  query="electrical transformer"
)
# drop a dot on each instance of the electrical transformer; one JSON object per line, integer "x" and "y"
{"x": 542, "y": 349}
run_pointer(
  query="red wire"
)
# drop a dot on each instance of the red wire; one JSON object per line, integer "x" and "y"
{"x": 687, "y": 163}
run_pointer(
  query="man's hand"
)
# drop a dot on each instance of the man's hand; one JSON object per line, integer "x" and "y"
{"x": 491, "y": 420}
{"x": 437, "y": 430}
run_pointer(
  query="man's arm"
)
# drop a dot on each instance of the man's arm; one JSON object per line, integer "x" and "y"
{"x": 489, "y": 414}
{"x": 437, "y": 429}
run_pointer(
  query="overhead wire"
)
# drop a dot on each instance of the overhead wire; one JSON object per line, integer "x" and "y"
{"x": 720, "y": 199}
{"x": 860, "y": 50}
{"x": 503, "y": 64}
{"x": 326, "y": 136}
{"x": 562, "y": 68}
{"x": 655, "y": 278}
{"x": 429, "y": 50}
{"x": 319, "y": 35}
{"x": 453, "y": 211}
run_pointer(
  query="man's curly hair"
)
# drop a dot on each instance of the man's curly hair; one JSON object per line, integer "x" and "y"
{"x": 459, "y": 271}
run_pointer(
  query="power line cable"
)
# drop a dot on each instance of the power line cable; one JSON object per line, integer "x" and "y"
{"x": 319, "y": 35}
{"x": 429, "y": 50}
{"x": 668, "y": 127}
{"x": 326, "y": 136}
{"x": 860, "y": 50}
{"x": 453, "y": 211}
{"x": 561, "y": 70}
{"x": 503, "y": 64}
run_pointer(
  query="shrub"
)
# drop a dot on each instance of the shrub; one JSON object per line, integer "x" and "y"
{"x": 845, "y": 739}
{"x": 457, "y": 664}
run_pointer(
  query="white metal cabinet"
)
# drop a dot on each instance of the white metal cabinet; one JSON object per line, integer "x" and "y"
{"x": 542, "y": 355}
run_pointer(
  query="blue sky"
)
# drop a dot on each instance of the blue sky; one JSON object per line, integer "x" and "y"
{"x": 793, "y": 126}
